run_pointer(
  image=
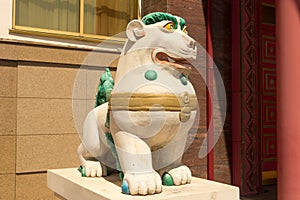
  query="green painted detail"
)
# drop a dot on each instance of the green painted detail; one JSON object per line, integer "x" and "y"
{"x": 184, "y": 80}
{"x": 111, "y": 143}
{"x": 109, "y": 138}
{"x": 155, "y": 17}
{"x": 125, "y": 187}
{"x": 105, "y": 87}
{"x": 182, "y": 23}
{"x": 167, "y": 179}
{"x": 121, "y": 175}
{"x": 107, "y": 122}
{"x": 80, "y": 168}
{"x": 83, "y": 172}
{"x": 151, "y": 75}
{"x": 108, "y": 172}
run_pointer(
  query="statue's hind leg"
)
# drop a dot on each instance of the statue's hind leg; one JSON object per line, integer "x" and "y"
{"x": 94, "y": 152}
{"x": 88, "y": 167}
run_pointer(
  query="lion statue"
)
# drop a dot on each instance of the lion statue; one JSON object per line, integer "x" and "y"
{"x": 142, "y": 128}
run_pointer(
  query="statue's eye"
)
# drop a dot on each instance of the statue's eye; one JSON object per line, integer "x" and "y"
{"x": 185, "y": 30}
{"x": 170, "y": 26}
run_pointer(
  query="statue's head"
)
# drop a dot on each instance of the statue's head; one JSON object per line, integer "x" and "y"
{"x": 165, "y": 36}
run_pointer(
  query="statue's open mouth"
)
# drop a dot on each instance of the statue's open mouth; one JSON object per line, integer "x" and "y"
{"x": 180, "y": 64}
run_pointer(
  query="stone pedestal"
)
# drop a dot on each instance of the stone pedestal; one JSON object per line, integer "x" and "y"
{"x": 68, "y": 184}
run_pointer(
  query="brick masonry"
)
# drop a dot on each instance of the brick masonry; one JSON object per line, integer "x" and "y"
{"x": 221, "y": 32}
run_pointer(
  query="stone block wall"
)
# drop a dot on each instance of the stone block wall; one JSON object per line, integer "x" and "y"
{"x": 37, "y": 129}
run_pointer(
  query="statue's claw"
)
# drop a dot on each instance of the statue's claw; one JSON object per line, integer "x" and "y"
{"x": 91, "y": 169}
{"x": 142, "y": 184}
{"x": 181, "y": 175}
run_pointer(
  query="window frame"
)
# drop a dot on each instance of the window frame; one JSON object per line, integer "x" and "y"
{"x": 66, "y": 34}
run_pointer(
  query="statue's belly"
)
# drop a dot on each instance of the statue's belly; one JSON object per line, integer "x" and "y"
{"x": 155, "y": 110}
{"x": 156, "y": 128}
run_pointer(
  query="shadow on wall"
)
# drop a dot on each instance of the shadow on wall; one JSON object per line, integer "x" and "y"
{"x": 221, "y": 40}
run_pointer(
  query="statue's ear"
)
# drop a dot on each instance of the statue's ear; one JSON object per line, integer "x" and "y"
{"x": 135, "y": 30}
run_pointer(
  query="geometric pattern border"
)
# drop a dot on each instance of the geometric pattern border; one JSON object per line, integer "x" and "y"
{"x": 249, "y": 65}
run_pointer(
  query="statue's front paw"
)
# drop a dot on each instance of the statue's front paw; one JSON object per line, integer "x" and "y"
{"x": 142, "y": 184}
{"x": 179, "y": 176}
{"x": 91, "y": 169}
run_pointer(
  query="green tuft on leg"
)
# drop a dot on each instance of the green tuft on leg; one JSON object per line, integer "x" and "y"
{"x": 80, "y": 168}
{"x": 121, "y": 175}
{"x": 83, "y": 173}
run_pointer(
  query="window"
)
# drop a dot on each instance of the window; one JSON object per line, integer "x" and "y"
{"x": 89, "y": 18}
{"x": 268, "y": 14}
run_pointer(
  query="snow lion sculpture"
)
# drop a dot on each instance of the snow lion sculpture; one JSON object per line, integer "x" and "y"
{"x": 142, "y": 128}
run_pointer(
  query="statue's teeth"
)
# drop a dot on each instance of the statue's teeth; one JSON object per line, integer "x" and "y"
{"x": 171, "y": 60}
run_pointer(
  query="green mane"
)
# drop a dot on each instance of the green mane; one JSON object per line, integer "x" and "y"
{"x": 105, "y": 87}
{"x": 155, "y": 17}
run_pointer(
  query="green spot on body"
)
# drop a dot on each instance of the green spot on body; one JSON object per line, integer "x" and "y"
{"x": 167, "y": 179}
{"x": 183, "y": 79}
{"x": 151, "y": 75}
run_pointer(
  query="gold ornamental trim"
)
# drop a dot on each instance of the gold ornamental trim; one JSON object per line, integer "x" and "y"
{"x": 153, "y": 102}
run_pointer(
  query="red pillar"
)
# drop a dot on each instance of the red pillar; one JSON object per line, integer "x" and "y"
{"x": 209, "y": 92}
{"x": 236, "y": 95}
{"x": 288, "y": 98}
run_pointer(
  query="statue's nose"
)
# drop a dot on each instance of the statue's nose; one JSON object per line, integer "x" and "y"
{"x": 189, "y": 41}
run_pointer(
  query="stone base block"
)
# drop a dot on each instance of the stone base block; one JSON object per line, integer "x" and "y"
{"x": 68, "y": 184}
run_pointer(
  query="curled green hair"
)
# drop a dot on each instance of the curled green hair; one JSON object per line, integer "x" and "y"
{"x": 155, "y": 17}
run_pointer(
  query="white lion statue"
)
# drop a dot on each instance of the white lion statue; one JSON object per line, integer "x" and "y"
{"x": 142, "y": 129}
